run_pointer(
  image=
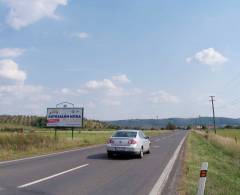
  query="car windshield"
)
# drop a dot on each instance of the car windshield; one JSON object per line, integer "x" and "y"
{"x": 125, "y": 134}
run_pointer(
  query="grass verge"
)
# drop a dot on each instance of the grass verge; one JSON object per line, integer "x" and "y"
{"x": 224, "y": 167}
{"x": 19, "y": 145}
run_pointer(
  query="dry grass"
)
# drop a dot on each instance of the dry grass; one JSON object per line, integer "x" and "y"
{"x": 224, "y": 165}
{"x": 228, "y": 144}
{"x": 232, "y": 133}
{"x": 17, "y": 145}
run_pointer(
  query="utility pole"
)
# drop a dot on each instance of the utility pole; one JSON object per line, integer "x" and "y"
{"x": 199, "y": 121}
{"x": 214, "y": 121}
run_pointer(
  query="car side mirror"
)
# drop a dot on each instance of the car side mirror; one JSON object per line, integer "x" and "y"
{"x": 147, "y": 137}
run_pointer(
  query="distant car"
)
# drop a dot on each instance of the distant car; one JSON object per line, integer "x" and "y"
{"x": 128, "y": 142}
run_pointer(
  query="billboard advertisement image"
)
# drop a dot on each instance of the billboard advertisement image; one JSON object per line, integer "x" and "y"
{"x": 65, "y": 117}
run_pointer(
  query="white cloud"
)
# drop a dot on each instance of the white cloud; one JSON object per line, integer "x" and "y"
{"x": 37, "y": 98}
{"x": 81, "y": 35}
{"x": 209, "y": 56}
{"x": 110, "y": 88}
{"x": 18, "y": 89}
{"x": 10, "y": 70}
{"x": 121, "y": 78}
{"x": 161, "y": 96}
{"x": 82, "y": 91}
{"x": 91, "y": 105}
{"x": 31, "y": 93}
{"x": 105, "y": 87}
{"x": 26, "y": 92}
{"x": 11, "y": 52}
{"x": 20, "y": 98}
{"x": 111, "y": 102}
{"x": 15, "y": 96}
{"x": 117, "y": 92}
{"x": 25, "y": 12}
{"x": 109, "y": 92}
{"x": 120, "y": 92}
{"x": 103, "y": 84}
{"x": 136, "y": 91}
{"x": 65, "y": 90}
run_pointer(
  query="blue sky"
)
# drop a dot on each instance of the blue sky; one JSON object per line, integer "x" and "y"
{"x": 120, "y": 59}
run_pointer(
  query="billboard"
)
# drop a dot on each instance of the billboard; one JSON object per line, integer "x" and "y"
{"x": 65, "y": 117}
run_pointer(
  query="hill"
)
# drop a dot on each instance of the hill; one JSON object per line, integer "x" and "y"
{"x": 180, "y": 122}
{"x": 38, "y": 121}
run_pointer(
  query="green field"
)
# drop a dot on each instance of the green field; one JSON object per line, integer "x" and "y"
{"x": 18, "y": 145}
{"x": 232, "y": 133}
{"x": 224, "y": 164}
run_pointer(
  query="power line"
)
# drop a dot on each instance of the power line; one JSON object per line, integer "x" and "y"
{"x": 232, "y": 103}
{"x": 234, "y": 79}
{"x": 230, "y": 83}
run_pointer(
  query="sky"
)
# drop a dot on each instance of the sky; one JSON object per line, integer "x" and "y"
{"x": 120, "y": 59}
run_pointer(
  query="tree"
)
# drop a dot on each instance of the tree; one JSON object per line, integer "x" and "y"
{"x": 171, "y": 126}
{"x": 228, "y": 127}
{"x": 40, "y": 122}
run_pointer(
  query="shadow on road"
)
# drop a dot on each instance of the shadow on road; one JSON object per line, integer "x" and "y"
{"x": 103, "y": 156}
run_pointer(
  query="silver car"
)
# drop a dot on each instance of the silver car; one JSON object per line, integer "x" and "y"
{"x": 128, "y": 142}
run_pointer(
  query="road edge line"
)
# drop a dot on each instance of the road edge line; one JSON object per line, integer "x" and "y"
{"x": 162, "y": 180}
{"x": 52, "y": 176}
{"x": 55, "y": 153}
{"x": 51, "y": 154}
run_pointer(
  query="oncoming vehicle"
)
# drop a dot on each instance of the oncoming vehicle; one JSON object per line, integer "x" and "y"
{"x": 128, "y": 142}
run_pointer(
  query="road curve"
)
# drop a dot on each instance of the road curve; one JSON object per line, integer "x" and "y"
{"x": 89, "y": 171}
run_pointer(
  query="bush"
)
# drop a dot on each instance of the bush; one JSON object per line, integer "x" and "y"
{"x": 40, "y": 122}
{"x": 171, "y": 126}
{"x": 228, "y": 127}
{"x": 11, "y": 129}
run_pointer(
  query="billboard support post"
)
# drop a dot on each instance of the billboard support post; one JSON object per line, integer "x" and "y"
{"x": 72, "y": 133}
{"x": 55, "y": 134}
{"x": 65, "y": 117}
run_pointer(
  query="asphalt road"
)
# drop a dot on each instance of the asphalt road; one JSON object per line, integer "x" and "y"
{"x": 90, "y": 172}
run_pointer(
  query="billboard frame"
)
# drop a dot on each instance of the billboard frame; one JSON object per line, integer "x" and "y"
{"x": 66, "y": 109}
{"x": 66, "y": 127}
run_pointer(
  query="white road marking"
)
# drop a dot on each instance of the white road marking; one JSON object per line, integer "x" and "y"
{"x": 156, "y": 146}
{"x": 52, "y": 176}
{"x": 48, "y": 155}
{"x": 56, "y": 153}
{"x": 161, "y": 182}
{"x": 165, "y": 137}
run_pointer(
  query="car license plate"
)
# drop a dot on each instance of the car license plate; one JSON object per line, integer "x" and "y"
{"x": 120, "y": 149}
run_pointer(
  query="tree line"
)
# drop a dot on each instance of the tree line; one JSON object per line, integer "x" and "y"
{"x": 41, "y": 122}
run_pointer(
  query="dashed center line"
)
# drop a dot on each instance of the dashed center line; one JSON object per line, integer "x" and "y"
{"x": 156, "y": 146}
{"x": 52, "y": 176}
{"x": 162, "y": 138}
